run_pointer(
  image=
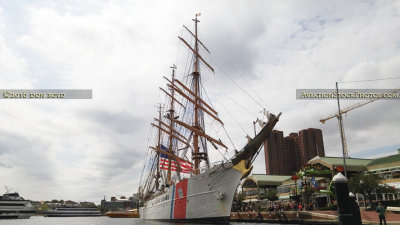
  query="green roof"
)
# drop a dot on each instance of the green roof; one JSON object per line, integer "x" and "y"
{"x": 383, "y": 168}
{"x": 354, "y": 164}
{"x": 263, "y": 179}
{"x": 357, "y": 164}
{"x": 349, "y": 161}
{"x": 385, "y": 160}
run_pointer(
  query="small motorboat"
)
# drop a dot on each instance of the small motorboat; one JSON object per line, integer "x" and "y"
{"x": 133, "y": 213}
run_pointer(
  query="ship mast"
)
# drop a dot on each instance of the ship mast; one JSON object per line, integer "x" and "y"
{"x": 171, "y": 124}
{"x": 159, "y": 146}
{"x": 167, "y": 158}
{"x": 193, "y": 95}
{"x": 196, "y": 78}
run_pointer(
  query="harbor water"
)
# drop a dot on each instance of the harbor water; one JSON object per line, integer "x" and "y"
{"x": 103, "y": 220}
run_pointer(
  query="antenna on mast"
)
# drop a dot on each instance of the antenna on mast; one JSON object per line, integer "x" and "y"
{"x": 196, "y": 44}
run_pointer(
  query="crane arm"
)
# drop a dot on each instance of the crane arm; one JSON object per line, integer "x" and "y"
{"x": 349, "y": 108}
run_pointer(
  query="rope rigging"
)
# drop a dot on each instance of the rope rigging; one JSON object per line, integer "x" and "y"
{"x": 235, "y": 71}
{"x": 356, "y": 81}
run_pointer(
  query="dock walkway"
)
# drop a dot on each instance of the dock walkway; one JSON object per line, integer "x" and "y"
{"x": 308, "y": 217}
{"x": 371, "y": 217}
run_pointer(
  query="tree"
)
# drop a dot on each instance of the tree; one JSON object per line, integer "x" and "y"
{"x": 70, "y": 202}
{"x": 240, "y": 198}
{"x": 87, "y": 204}
{"x": 102, "y": 209}
{"x": 270, "y": 195}
{"x": 44, "y": 207}
{"x": 307, "y": 194}
{"x": 367, "y": 184}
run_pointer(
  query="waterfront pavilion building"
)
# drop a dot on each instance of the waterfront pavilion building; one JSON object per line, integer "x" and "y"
{"x": 254, "y": 186}
{"x": 388, "y": 168}
{"x": 354, "y": 166}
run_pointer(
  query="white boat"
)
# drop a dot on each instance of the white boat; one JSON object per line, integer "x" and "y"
{"x": 73, "y": 212}
{"x": 178, "y": 184}
{"x": 13, "y": 206}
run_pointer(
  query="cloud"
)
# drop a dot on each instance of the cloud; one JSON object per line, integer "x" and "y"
{"x": 262, "y": 51}
{"x": 4, "y": 165}
{"x": 116, "y": 122}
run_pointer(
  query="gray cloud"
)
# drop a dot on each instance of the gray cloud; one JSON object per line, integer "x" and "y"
{"x": 121, "y": 50}
{"x": 235, "y": 47}
{"x": 25, "y": 158}
{"x": 4, "y": 165}
{"x": 118, "y": 122}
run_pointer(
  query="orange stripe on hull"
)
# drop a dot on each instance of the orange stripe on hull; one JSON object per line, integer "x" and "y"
{"x": 180, "y": 200}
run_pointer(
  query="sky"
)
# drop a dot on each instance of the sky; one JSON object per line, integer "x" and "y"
{"x": 262, "y": 51}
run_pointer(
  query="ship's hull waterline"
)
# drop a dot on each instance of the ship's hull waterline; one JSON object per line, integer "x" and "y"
{"x": 206, "y": 197}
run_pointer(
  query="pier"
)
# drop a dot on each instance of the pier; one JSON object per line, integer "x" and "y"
{"x": 308, "y": 217}
{"x": 285, "y": 217}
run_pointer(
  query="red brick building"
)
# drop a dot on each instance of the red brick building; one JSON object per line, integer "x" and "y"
{"x": 311, "y": 144}
{"x": 275, "y": 155}
{"x": 286, "y": 155}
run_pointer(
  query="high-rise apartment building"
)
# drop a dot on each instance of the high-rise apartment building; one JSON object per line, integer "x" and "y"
{"x": 274, "y": 156}
{"x": 311, "y": 144}
{"x": 286, "y": 155}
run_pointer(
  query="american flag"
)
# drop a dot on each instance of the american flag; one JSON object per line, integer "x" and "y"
{"x": 313, "y": 182}
{"x": 182, "y": 166}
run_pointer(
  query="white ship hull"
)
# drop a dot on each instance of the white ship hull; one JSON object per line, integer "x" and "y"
{"x": 73, "y": 212}
{"x": 16, "y": 215}
{"x": 12, "y": 210}
{"x": 205, "y": 197}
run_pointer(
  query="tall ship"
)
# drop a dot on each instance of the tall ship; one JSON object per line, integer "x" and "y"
{"x": 13, "y": 206}
{"x": 179, "y": 182}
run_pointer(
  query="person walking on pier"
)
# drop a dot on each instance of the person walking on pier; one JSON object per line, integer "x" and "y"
{"x": 382, "y": 213}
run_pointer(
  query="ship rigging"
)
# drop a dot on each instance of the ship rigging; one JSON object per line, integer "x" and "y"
{"x": 178, "y": 182}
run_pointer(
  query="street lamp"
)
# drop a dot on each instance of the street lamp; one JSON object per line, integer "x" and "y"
{"x": 295, "y": 178}
{"x": 365, "y": 200}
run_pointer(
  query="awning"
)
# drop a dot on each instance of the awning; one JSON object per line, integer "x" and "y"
{"x": 251, "y": 200}
{"x": 385, "y": 168}
{"x": 394, "y": 185}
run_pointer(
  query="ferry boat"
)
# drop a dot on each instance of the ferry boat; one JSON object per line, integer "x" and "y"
{"x": 73, "y": 212}
{"x": 13, "y": 206}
